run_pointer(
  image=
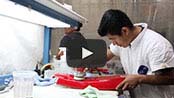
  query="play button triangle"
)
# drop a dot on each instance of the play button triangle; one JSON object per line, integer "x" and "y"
{"x": 86, "y": 53}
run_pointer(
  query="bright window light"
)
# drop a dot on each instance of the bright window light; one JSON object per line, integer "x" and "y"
{"x": 16, "y": 11}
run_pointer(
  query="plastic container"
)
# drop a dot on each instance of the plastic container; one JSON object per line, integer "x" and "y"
{"x": 23, "y": 84}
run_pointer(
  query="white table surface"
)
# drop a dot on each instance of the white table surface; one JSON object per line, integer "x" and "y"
{"x": 53, "y": 91}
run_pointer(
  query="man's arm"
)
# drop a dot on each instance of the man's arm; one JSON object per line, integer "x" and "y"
{"x": 110, "y": 55}
{"x": 161, "y": 77}
{"x": 59, "y": 54}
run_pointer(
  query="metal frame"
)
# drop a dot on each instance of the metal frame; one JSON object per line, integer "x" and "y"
{"x": 47, "y": 11}
{"x": 47, "y": 45}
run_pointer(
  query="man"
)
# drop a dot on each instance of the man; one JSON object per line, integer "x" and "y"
{"x": 70, "y": 34}
{"x": 146, "y": 56}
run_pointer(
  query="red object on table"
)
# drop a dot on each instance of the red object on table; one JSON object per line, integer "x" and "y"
{"x": 100, "y": 82}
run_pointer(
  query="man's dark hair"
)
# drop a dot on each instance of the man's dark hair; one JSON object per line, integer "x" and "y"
{"x": 77, "y": 27}
{"x": 113, "y": 21}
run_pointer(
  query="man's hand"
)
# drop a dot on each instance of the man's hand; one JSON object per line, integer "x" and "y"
{"x": 59, "y": 54}
{"x": 130, "y": 82}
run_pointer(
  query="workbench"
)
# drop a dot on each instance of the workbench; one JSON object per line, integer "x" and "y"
{"x": 53, "y": 91}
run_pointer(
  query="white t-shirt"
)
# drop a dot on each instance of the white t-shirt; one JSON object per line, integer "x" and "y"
{"x": 151, "y": 50}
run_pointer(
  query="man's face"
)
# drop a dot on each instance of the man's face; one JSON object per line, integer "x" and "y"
{"x": 69, "y": 30}
{"x": 120, "y": 40}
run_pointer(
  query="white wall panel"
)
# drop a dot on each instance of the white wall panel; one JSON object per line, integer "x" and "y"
{"x": 21, "y": 44}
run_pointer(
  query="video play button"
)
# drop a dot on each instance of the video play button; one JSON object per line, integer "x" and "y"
{"x": 90, "y": 54}
{"x": 86, "y": 53}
